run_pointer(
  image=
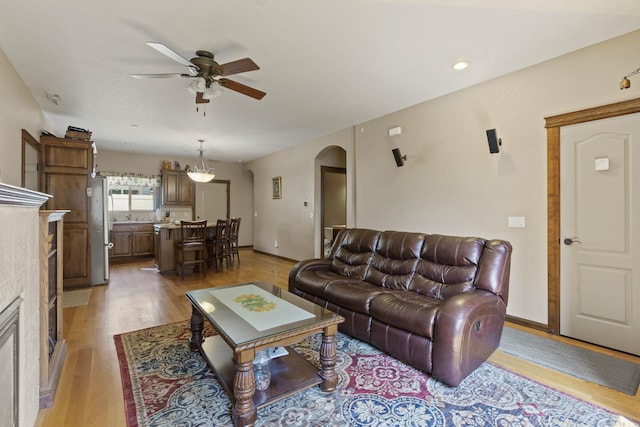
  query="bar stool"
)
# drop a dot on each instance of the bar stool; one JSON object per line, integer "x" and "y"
{"x": 234, "y": 226}
{"x": 191, "y": 249}
{"x": 220, "y": 243}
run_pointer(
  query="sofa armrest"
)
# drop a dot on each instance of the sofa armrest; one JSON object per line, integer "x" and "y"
{"x": 309, "y": 264}
{"x": 467, "y": 331}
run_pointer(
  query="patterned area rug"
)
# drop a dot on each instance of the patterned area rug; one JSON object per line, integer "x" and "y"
{"x": 165, "y": 384}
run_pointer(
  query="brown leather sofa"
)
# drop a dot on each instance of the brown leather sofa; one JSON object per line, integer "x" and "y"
{"x": 436, "y": 302}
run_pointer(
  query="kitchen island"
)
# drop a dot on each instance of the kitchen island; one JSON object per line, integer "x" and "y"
{"x": 165, "y": 236}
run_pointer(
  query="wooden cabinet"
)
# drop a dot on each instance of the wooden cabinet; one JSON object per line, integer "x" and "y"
{"x": 142, "y": 242}
{"x": 177, "y": 188}
{"x": 131, "y": 240}
{"x": 52, "y": 343}
{"x": 66, "y": 173}
{"x": 121, "y": 243}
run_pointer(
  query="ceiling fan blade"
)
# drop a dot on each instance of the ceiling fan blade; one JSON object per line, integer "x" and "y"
{"x": 170, "y": 53}
{"x": 157, "y": 76}
{"x": 243, "y": 89}
{"x": 239, "y": 66}
{"x": 173, "y": 55}
{"x": 200, "y": 99}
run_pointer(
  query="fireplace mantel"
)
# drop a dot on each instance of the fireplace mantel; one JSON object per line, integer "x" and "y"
{"x": 18, "y": 196}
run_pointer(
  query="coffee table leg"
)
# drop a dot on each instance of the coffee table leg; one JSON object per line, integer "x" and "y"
{"x": 244, "y": 411}
{"x": 197, "y": 322}
{"x": 328, "y": 359}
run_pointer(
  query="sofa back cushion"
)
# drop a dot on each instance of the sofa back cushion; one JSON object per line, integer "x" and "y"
{"x": 494, "y": 269}
{"x": 352, "y": 250}
{"x": 447, "y": 266}
{"x": 395, "y": 259}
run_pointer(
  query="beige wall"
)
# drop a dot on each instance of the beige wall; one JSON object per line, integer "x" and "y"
{"x": 287, "y": 220}
{"x": 450, "y": 183}
{"x": 18, "y": 110}
{"x": 19, "y": 273}
{"x": 241, "y": 186}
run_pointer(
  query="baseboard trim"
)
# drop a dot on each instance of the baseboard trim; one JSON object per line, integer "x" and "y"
{"x": 528, "y": 324}
{"x": 275, "y": 256}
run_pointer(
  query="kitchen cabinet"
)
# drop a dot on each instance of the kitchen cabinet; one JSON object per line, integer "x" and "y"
{"x": 142, "y": 242}
{"x": 177, "y": 188}
{"x": 121, "y": 243}
{"x": 52, "y": 343}
{"x": 131, "y": 241}
{"x": 67, "y": 166}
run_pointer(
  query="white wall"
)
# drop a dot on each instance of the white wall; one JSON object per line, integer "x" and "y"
{"x": 241, "y": 186}
{"x": 450, "y": 183}
{"x": 19, "y": 253}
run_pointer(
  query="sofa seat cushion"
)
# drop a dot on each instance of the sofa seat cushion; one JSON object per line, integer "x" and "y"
{"x": 315, "y": 282}
{"x": 355, "y": 296}
{"x": 407, "y": 310}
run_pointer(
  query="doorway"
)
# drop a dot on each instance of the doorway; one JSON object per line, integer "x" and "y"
{"x": 333, "y": 205}
{"x": 555, "y": 239}
{"x": 213, "y": 200}
{"x": 599, "y": 289}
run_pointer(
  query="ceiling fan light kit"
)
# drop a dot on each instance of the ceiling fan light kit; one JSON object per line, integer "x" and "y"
{"x": 200, "y": 172}
{"x": 207, "y": 74}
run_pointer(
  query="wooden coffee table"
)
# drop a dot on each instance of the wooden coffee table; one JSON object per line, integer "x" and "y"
{"x": 254, "y": 316}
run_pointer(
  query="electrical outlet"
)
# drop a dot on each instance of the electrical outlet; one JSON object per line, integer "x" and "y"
{"x": 275, "y": 244}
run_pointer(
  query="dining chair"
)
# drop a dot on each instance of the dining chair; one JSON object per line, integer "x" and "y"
{"x": 234, "y": 230}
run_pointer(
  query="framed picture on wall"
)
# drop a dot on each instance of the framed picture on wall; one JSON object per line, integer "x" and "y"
{"x": 277, "y": 187}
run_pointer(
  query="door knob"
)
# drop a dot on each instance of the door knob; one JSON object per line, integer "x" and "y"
{"x": 570, "y": 242}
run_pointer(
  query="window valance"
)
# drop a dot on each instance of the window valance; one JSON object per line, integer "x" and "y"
{"x": 130, "y": 178}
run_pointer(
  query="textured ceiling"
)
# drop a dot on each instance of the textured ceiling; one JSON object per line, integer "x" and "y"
{"x": 325, "y": 64}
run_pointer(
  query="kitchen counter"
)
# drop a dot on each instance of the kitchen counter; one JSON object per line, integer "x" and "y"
{"x": 168, "y": 225}
{"x": 165, "y": 236}
{"x": 174, "y": 226}
{"x": 133, "y": 222}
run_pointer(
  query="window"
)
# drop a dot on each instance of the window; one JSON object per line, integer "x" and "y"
{"x": 131, "y": 198}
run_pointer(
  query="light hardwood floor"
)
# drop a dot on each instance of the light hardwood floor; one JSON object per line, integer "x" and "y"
{"x": 90, "y": 389}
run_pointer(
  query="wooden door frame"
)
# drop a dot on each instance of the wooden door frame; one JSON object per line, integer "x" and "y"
{"x": 219, "y": 181}
{"x": 28, "y": 140}
{"x": 553, "y": 124}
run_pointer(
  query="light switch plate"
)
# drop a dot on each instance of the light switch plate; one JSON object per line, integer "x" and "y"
{"x": 602, "y": 164}
{"x": 516, "y": 222}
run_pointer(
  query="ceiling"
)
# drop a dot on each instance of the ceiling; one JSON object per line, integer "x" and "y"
{"x": 325, "y": 64}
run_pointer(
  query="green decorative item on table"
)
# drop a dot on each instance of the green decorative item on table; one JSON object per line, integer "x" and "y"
{"x": 253, "y": 302}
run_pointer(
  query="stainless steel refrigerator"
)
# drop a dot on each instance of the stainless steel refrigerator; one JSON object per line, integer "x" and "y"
{"x": 100, "y": 244}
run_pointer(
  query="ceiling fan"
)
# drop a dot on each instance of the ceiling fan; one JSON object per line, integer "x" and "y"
{"x": 207, "y": 74}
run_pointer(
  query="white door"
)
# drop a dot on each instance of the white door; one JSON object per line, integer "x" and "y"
{"x": 600, "y": 248}
{"x": 211, "y": 201}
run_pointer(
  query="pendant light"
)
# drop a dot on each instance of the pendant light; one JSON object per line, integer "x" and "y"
{"x": 200, "y": 172}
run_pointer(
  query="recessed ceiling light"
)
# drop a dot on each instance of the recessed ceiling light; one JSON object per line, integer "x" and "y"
{"x": 460, "y": 65}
